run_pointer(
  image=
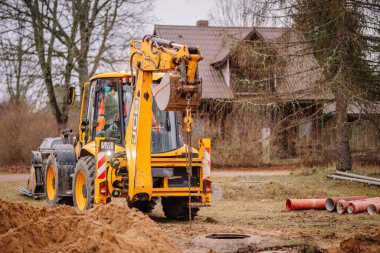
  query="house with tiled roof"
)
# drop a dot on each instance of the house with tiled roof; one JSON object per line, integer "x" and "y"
{"x": 300, "y": 73}
{"x": 295, "y": 86}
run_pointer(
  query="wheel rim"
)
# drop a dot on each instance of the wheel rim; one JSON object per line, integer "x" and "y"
{"x": 81, "y": 191}
{"x": 50, "y": 183}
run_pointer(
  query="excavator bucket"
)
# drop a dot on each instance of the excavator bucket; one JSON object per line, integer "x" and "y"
{"x": 170, "y": 93}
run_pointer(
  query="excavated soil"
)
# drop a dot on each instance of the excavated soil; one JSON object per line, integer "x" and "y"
{"x": 108, "y": 228}
{"x": 361, "y": 243}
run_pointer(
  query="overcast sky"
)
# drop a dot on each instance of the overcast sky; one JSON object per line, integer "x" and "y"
{"x": 181, "y": 12}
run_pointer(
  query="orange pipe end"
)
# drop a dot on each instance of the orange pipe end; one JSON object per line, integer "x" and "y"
{"x": 373, "y": 208}
{"x": 341, "y": 206}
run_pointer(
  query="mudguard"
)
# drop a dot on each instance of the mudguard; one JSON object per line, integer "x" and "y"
{"x": 64, "y": 155}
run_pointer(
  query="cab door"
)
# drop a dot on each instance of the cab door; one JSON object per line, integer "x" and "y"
{"x": 84, "y": 130}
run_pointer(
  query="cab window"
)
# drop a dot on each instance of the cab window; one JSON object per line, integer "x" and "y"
{"x": 107, "y": 113}
{"x": 165, "y": 136}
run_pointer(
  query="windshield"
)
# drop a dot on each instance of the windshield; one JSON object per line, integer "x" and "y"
{"x": 165, "y": 135}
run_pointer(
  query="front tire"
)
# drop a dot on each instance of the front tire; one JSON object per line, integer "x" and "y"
{"x": 176, "y": 208}
{"x": 84, "y": 183}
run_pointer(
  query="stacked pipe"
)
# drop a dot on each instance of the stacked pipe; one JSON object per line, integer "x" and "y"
{"x": 355, "y": 178}
{"x": 349, "y": 204}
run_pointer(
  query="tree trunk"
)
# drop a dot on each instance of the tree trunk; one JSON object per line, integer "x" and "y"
{"x": 85, "y": 30}
{"x": 65, "y": 107}
{"x": 45, "y": 56}
{"x": 343, "y": 153}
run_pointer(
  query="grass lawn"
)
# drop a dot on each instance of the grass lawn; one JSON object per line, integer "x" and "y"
{"x": 9, "y": 191}
{"x": 258, "y": 204}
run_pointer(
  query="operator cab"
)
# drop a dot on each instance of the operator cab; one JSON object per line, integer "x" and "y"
{"x": 111, "y": 98}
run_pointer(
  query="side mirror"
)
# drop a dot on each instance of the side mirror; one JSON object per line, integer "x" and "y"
{"x": 84, "y": 124}
{"x": 71, "y": 96}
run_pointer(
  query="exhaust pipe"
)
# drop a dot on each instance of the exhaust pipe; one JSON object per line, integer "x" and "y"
{"x": 373, "y": 208}
{"x": 331, "y": 203}
{"x": 360, "y": 206}
{"x": 305, "y": 204}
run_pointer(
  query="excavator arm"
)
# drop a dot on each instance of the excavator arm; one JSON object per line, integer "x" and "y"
{"x": 180, "y": 90}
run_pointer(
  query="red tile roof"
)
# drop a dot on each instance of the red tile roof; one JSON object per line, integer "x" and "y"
{"x": 300, "y": 75}
{"x": 210, "y": 40}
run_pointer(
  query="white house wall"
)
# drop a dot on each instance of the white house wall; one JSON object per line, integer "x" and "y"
{"x": 226, "y": 73}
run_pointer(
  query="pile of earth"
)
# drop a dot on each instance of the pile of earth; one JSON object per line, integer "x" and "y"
{"x": 105, "y": 228}
{"x": 361, "y": 243}
{"x": 368, "y": 243}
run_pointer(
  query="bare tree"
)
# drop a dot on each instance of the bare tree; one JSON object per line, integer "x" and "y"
{"x": 246, "y": 13}
{"x": 17, "y": 64}
{"x": 77, "y": 36}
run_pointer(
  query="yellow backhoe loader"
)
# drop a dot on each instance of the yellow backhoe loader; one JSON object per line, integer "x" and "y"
{"x": 128, "y": 143}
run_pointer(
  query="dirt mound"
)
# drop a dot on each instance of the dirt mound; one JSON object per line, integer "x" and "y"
{"x": 361, "y": 243}
{"x": 109, "y": 228}
{"x": 13, "y": 215}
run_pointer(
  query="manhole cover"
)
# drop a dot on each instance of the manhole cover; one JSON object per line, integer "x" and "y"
{"x": 227, "y": 236}
{"x": 225, "y": 242}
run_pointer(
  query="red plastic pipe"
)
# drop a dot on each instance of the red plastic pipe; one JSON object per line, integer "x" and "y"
{"x": 373, "y": 208}
{"x": 359, "y": 206}
{"x": 331, "y": 203}
{"x": 341, "y": 206}
{"x": 305, "y": 204}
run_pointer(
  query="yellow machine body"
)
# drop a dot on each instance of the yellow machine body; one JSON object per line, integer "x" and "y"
{"x": 138, "y": 160}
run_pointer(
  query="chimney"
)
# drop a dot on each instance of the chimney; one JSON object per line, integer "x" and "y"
{"x": 203, "y": 23}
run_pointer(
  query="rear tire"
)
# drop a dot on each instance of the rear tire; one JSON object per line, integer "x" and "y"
{"x": 176, "y": 208}
{"x": 51, "y": 182}
{"x": 84, "y": 183}
{"x": 143, "y": 206}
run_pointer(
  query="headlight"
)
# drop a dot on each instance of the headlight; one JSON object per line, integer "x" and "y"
{"x": 107, "y": 146}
